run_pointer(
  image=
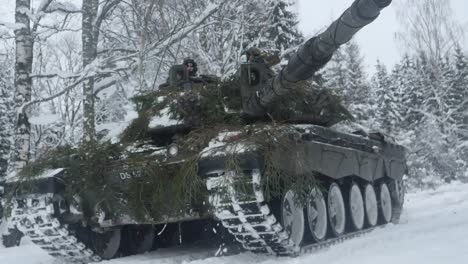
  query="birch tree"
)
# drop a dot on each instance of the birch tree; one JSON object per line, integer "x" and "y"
{"x": 23, "y": 83}
{"x": 25, "y": 28}
{"x": 428, "y": 27}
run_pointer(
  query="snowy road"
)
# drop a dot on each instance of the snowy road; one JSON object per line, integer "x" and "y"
{"x": 433, "y": 230}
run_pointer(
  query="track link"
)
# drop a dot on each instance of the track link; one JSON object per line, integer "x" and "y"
{"x": 246, "y": 215}
{"x": 35, "y": 216}
{"x": 240, "y": 205}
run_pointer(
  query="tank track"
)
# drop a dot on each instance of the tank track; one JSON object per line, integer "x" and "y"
{"x": 35, "y": 216}
{"x": 240, "y": 205}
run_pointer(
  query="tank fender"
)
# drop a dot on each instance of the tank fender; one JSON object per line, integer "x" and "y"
{"x": 339, "y": 162}
{"x": 50, "y": 181}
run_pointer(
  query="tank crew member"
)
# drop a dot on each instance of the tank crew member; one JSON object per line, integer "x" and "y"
{"x": 192, "y": 70}
{"x": 185, "y": 75}
{"x": 178, "y": 75}
{"x": 191, "y": 67}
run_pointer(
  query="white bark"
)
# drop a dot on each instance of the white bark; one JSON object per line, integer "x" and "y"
{"x": 23, "y": 83}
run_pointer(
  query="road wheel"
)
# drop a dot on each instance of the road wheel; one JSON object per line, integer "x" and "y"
{"x": 356, "y": 207}
{"x": 336, "y": 210}
{"x": 292, "y": 218}
{"x": 372, "y": 211}
{"x": 385, "y": 203}
{"x": 106, "y": 245}
{"x": 317, "y": 215}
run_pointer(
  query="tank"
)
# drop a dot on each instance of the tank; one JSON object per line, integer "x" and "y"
{"x": 254, "y": 159}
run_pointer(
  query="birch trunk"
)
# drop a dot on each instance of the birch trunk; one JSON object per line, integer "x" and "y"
{"x": 23, "y": 83}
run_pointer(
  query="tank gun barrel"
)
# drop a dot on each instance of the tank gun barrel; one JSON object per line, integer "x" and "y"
{"x": 315, "y": 53}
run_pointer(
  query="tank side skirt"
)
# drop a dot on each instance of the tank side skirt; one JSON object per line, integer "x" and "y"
{"x": 333, "y": 154}
{"x": 338, "y": 162}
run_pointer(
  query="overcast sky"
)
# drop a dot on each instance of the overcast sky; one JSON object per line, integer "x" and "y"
{"x": 377, "y": 41}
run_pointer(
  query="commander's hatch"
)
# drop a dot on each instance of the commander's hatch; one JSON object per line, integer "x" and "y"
{"x": 179, "y": 77}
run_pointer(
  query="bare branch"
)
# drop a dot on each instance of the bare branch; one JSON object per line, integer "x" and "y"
{"x": 104, "y": 86}
{"x": 61, "y": 75}
{"x": 44, "y": 5}
{"x": 62, "y": 8}
{"x": 104, "y": 12}
{"x": 42, "y": 100}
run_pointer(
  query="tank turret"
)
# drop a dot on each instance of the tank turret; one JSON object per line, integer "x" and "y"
{"x": 312, "y": 56}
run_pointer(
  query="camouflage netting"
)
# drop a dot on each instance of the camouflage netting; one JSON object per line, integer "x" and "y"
{"x": 157, "y": 190}
{"x": 202, "y": 106}
{"x": 305, "y": 105}
{"x": 215, "y": 105}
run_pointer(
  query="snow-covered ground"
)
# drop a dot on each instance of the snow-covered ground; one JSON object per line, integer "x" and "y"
{"x": 433, "y": 230}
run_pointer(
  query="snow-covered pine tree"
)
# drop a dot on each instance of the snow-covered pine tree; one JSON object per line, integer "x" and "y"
{"x": 457, "y": 95}
{"x": 381, "y": 102}
{"x": 406, "y": 96}
{"x": 281, "y": 31}
{"x": 335, "y": 74}
{"x": 6, "y": 120}
{"x": 455, "y": 119}
{"x": 274, "y": 27}
{"x": 421, "y": 108}
{"x": 356, "y": 86}
{"x": 414, "y": 93}
{"x": 346, "y": 76}
{"x": 461, "y": 114}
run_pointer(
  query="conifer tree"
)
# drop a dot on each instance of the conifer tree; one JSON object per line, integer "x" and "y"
{"x": 282, "y": 30}
{"x": 274, "y": 27}
{"x": 356, "y": 86}
{"x": 335, "y": 74}
{"x": 406, "y": 95}
{"x": 382, "y": 100}
{"x": 345, "y": 75}
{"x": 457, "y": 95}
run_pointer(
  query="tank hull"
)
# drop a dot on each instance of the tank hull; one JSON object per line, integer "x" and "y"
{"x": 328, "y": 156}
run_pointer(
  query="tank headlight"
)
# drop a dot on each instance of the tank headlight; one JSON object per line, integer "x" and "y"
{"x": 173, "y": 150}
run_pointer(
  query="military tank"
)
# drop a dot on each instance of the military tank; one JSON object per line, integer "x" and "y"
{"x": 254, "y": 159}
